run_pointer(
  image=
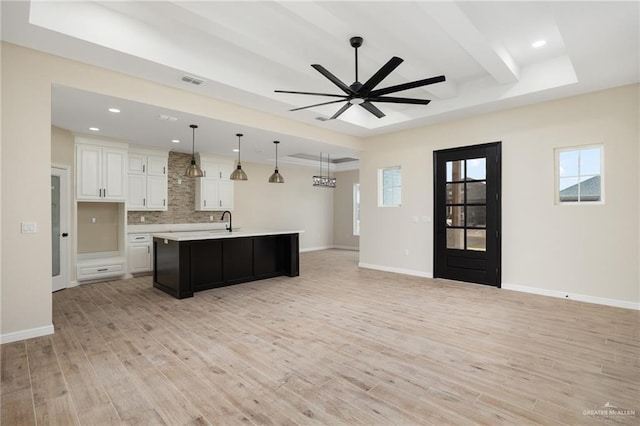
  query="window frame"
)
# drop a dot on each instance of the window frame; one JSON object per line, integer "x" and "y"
{"x": 578, "y": 148}
{"x": 356, "y": 209}
{"x": 381, "y": 187}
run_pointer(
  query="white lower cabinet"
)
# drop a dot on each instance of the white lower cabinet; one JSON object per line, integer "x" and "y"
{"x": 100, "y": 266}
{"x": 140, "y": 253}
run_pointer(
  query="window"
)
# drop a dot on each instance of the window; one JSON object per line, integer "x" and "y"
{"x": 390, "y": 187}
{"x": 356, "y": 209}
{"x": 579, "y": 173}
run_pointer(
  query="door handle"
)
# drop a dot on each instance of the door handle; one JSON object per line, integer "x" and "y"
{"x": 65, "y": 234}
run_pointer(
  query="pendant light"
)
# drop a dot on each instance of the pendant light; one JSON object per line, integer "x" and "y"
{"x": 324, "y": 181}
{"x": 276, "y": 177}
{"x": 193, "y": 170}
{"x": 238, "y": 173}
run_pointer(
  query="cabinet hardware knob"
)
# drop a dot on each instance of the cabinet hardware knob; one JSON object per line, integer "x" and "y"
{"x": 65, "y": 234}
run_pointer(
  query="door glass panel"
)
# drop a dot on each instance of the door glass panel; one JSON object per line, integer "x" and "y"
{"x": 476, "y": 239}
{"x": 477, "y": 169}
{"x": 455, "y": 193}
{"x": 455, "y": 238}
{"x": 455, "y": 171}
{"x": 55, "y": 225}
{"x": 476, "y": 192}
{"x": 477, "y": 216}
{"x": 455, "y": 216}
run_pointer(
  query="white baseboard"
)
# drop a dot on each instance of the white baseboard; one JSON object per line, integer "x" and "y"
{"x": 412, "y": 272}
{"x": 26, "y": 334}
{"x": 303, "y": 250}
{"x": 352, "y": 248}
{"x": 573, "y": 296}
{"x": 73, "y": 284}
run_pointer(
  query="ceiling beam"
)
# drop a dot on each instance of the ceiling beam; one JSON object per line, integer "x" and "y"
{"x": 494, "y": 59}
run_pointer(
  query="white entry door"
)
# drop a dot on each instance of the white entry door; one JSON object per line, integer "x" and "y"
{"x": 59, "y": 228}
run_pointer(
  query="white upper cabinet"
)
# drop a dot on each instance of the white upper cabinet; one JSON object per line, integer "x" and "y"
{"x": 214, "y": 191}
{"x": 100, "y": 171}
{"x": 148, "y": 171}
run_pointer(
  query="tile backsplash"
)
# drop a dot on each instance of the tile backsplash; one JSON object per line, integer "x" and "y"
{"x": 181, "y": 194}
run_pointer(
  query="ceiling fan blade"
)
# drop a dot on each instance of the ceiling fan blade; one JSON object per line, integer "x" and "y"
{"x": 392, "y": 100}
{"x": 340, "y": 111}
{"x": 315, "y": 105}
{"x": 311, "y": 93}
{"x": 382, "y": 73}
{"x": 322, "y": 70}
{"x": 407, "y": 86}
{"x": 372, "y": 109}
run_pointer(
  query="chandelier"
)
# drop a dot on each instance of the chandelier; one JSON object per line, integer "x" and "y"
{"x": 324, "y": 181}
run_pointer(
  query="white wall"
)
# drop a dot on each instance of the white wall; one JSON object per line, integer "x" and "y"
{"x": 295, "y": 204}
{"x": 587, "y": 250}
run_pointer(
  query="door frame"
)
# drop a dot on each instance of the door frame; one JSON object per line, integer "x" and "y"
{"x": 63, "y": 279}
{"x": 437, "y": 273}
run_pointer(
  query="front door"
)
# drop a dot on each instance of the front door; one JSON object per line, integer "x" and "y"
{"x": 59, "y": 228}
{"x": 467, "y": 214}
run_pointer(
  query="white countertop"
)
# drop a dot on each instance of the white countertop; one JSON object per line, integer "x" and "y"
{"x": 174, "y": 227}
{"x": 220, "y": 233}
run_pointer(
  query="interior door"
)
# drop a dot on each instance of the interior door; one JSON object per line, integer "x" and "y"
{"x": 467, "y": 243}
{"x": 59, "y": 228}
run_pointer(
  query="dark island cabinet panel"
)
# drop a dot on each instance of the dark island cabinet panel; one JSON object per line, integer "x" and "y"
{"x": 237, "y": 259}
{"x": 206, "y": 264}
{"x": 269, "y": 252}
{"x": 184, "y": 267}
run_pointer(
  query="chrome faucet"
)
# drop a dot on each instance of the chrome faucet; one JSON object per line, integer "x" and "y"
{"x": 222, "y": 218}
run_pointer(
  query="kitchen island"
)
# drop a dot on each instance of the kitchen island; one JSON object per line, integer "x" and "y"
{"x": 186, "y": 262}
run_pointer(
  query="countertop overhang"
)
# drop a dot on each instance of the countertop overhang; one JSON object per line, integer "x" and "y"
{"x": 221, "y": 233}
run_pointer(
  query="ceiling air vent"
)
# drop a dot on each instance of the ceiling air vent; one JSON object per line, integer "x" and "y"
{"x": 192, "y": 80}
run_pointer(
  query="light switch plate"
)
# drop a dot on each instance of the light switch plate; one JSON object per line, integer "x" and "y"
{"x": 29, "y": 227}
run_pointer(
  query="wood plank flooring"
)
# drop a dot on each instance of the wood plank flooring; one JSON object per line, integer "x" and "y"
{"x": 337, "y": 345}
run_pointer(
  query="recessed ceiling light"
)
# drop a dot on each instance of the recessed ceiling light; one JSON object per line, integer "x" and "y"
{"x": 94, "y": 129}
{"x": 538, "y": 44}
{"x": 235, "y": 150}
{"x": 114, "y": 110}
{"x": 175, "y": 140}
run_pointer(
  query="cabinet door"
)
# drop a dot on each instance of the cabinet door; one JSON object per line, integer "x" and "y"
{"x": 225, "y": 169}
{"x": 209, "y": 193}
{"x": 156, "y": 193}
{"x": 225, "y": 192}
{"x": 137, "y": 163}
{"x": 139, "y": 257}
{"x": 88, "y": 173}
{"x": 114, "y": 163}
{"x": 156, "y": 166}
{"x": 136, "y": 197}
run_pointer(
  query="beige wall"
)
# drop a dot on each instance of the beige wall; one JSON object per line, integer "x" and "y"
{"x": 98, "y": 227}
{"x": 589, "y": 249}
{"x": 295, "y": 204}
{"x": 26, "y": 135}
{"x": 343, "y": 210}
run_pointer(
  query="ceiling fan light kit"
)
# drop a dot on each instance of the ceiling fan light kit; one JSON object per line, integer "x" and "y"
{"x": 364, "y": 94}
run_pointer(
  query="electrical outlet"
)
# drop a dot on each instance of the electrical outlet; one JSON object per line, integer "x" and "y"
{"x": 406, "y": 252}
{"x": 211, "y": 218}
{"x": 179, "y": 181}
{"x": 94, "y": 220}
{"x": 141, "y": 218}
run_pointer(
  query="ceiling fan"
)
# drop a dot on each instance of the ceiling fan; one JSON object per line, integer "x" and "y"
{"x": 363, "y": 94}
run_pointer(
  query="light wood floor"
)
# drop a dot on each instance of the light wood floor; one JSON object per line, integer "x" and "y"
{"x": 337, "y": 345}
